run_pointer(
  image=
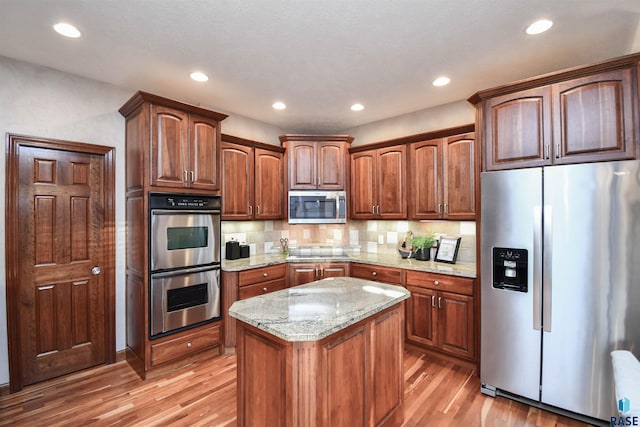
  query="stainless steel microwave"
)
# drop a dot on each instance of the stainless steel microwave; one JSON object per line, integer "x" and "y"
{"x": 317, "y": 207}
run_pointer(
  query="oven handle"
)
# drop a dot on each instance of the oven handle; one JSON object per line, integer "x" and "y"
{"x": 180, "y": 212}
{"x": 184, "y": 271}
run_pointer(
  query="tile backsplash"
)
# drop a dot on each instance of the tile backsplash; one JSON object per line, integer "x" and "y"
{"x": 366, "y": 236}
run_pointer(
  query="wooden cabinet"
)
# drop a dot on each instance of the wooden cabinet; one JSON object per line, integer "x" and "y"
{"x": 252, "y": 180}
{"x": 440, "y": 313}
{"x": 378, "y": 183}
{"x": 301, "y": 273}
{"x": 237, "y": 285}
{"x": 442, "y": 178}
{"x": 170, "y": 147}
{"x": 561, "y": 119}
{"x": 317, "y": 162}
{"x": 377, "y": 273}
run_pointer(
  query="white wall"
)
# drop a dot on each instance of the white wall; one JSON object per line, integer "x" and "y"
{"x": 42, "y": 102}
{"x": 444, "y": 116}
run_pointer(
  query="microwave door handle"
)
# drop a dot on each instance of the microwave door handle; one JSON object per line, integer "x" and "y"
{"x": 337, "y": 207}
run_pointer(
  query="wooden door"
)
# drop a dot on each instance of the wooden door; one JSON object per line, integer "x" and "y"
{"x": 269, "y": 185}
{"x": 594, "y": 118}
{"x": 459, "y": 177}
{"x": 425, "y": 171}
{"x": 421, "y": 316}
{"x": 169, "y": 147}
{"x": 204, "y": 153}
{"x": 455, "y": 324}
{"x": 363, "y": 185}
{"x": 302, "y": 165}
{"x": 331, "y": 165}
{"x": 60, "y": 270}
{"x": 518, "y": 129}
{"x": 301, "y": 273}
{"x": 392, "y": 182}
{"x": 237, "y": 181}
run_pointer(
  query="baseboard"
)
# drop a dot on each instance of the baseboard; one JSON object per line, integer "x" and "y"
{"x": 4, "y": 389}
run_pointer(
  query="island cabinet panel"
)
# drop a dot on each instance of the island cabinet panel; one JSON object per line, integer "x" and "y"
{"x": 317, "y": 162}
{"x": 440, "y": 313}
{"x": 301, "y": 273}
{"x": 252, "y": 180}
{"x": 377, "y": 273}
{"x": 351, "y": 378}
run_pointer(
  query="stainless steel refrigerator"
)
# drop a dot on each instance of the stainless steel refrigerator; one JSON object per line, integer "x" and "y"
{"x": 560, "y": 282}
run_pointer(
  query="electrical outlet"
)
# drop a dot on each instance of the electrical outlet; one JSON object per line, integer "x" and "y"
{"x": 381, "y": 239}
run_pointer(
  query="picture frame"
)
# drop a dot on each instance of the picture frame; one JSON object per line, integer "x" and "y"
{"x": 448, "y": 249}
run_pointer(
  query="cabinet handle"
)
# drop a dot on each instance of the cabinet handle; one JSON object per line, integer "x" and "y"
{"x": 546, "y": 151}
{"x": 264, "y": 289}
{"x": 374, "y": 274}
{"x": 321, "y": 272}
{"x": 189, "y": 345}
{"x": 435, "y": 282}
{"x": 257, "y": 209}
{"x": 433, "y": 300}
{"x": 250, "y": 210}
{"x": 373, "y": 209}
{"x": 378, "y": 209}
{"x": 439, "y": 208}
{"x": 184, "y": 175}
{"x": 193, "y": 176}
{"x": 446, "y": 208}
{"x": 439, "y": 302}
{"x": 558, "y": 151}
{"x": 265, "y": 274}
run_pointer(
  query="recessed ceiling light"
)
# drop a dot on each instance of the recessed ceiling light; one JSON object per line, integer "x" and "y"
{"x": 441, "y": 81}
{"x": 199, "y": 77}
{"x": 279, "y": 105}
{"x": 357, "y": 107}
{"x": 540, "y": 26}
{"x": 67, "y": 30}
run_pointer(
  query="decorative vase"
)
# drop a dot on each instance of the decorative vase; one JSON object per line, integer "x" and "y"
{"x": 423, "y": 254}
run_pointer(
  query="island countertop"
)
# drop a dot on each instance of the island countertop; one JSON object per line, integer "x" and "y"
{"x": 318, "y": 309}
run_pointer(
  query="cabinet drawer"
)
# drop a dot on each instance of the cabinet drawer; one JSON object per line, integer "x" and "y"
{"x": 442, "y": 282}
{"x": 258, "y": 275}
{"x": 262, "y": 288}
{"x": 379, "y": 274}
{"x": 185, "y": 345}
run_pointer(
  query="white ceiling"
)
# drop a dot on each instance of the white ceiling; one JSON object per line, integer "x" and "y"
{"x": 317, "y": 56}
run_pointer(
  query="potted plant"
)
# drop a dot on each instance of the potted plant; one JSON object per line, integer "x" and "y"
{"x": 422, "y": 246}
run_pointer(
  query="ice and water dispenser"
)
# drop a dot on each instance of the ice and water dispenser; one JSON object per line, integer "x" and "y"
{"x": 510, "y": 269}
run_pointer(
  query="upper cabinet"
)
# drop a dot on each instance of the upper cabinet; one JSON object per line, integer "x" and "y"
{"x": 252, "y": 180}
{"x": 317, "y": 162}
{"x": 171, "y": 145}
{"x": 442, "y": 178}
{"x": 580, "y": 115}
{"x": 378, "y": 183}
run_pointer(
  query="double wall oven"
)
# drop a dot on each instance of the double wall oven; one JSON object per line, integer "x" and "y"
{"x": 184, "y": 261}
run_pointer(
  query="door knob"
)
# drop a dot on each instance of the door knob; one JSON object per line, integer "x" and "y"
{"x": 95, "y": 271}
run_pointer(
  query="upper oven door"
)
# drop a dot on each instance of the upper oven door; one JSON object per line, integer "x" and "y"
{"x": 184, "y": 238}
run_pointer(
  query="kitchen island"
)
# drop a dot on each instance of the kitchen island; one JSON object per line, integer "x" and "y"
{"x": 327, "y": 353}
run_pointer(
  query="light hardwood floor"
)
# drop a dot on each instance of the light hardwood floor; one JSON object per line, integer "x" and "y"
{"x": 437, "y": 393}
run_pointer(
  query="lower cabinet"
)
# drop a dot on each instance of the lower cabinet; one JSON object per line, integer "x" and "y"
{"x": 185, "y": 345}
{"x": 377, "y": 273}
{"x": 440, "y": 313}
{"x": 301, "y": 273}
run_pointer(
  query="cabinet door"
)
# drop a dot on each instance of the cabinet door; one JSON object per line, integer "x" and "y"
{"x": 425, "y": 171}
{"x": 335, "y": 269}
{"x": 377, "y": 273}
{"x": 204, "y": 171}
{"x": 392, "y": 182}
{"x": 169, "y": 147}
{"x": 237, "y": 181}
{"x": 421, "y": 316}
{"x": 363, "y": 185}
{"x": 301, "y": 273}
{"x": 330, "y": 161}
{"x": 594, "y": 118}
{"x": 455, "y": 324}
{"x": 518, "y": 129}
{"x": 302, "y": 165}
{"x": 269, "y": 185}
{"x": 251, "y": 291}
{"x": 459, "y": 177}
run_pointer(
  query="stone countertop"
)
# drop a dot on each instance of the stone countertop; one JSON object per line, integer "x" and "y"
{"x": 318, "y": 309}
{"x": 464, "y": 269}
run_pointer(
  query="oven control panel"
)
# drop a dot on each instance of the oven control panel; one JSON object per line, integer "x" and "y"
{"x": 181, "y": 201}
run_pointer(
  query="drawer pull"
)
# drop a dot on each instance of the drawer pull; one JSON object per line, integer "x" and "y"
{"x": 265, "y": 274}
{"x": 374, "y": 273}
{"x": 435, "y": 282}
{"x": 189, "y": 345}
{"x": 265, "y": 289}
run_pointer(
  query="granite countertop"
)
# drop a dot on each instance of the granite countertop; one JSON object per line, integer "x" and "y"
{"x": 464, "y": 269}
{"x": 318, "y": 309}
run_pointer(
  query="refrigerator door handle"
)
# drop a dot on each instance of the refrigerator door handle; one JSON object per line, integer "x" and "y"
{"x": 537, "y": 262}
{"x": 547, "y": 261}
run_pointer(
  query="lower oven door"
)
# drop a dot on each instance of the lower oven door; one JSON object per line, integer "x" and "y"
{"x": 184, "y": 298}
